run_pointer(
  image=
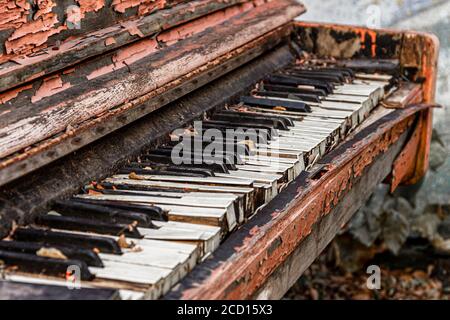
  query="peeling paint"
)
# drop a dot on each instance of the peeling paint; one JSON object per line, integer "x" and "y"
{"x": 49, "y": 87}
{"x": 12, "y": 94}
{"x": 126, "y": 57}
{"x": 142, "y": 49}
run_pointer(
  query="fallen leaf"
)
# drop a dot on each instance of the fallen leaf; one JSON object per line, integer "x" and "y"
{"x": 51, "y": 253}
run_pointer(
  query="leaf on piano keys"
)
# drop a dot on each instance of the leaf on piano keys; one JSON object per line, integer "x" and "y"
{"x": 51, "y": 253}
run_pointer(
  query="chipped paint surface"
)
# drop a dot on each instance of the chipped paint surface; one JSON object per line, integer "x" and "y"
{"x": 137, "y": 51}
{"x": 49, "y": 87}
{"x": 30, "y": 28}
{"x": 12, "y": 94}
{"x": 126, "y": 56}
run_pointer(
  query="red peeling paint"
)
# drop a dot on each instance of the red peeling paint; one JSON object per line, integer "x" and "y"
{"x": 145, "y": 6}
{"x": 110, "y": 41}
{"x": 137, "y": 51}
{"x": 132, "y": 28}
{"x": 12, "y": 94}
{"x": 49, "y": 87}
{"x": 90, "y": 5}
{"x": 126, "y": 57}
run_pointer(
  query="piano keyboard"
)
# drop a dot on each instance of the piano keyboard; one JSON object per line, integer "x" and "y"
{"x": 143, "y": 229}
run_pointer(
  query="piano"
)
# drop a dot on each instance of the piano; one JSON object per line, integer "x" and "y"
{"x": 195, "y": 149}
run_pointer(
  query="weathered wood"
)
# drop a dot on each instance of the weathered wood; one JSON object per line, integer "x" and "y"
{"x": 284, "y": 277}
{"x": 104, "y": 37}
{"x": 54, "y": 148}
{"x": 26, "y": 30}
{"x": 31, "y": 195}
{"x": 76, "y": 100}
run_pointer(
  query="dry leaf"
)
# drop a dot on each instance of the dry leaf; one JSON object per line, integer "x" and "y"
{"x": 279, "y": 108}
{"x": 122, "y": 242}
{"x": 51, "y": 253}
{"x": 134, "y": 176}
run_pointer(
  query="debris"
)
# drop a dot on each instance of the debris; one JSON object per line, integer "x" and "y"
{"x": 51, "y": 253}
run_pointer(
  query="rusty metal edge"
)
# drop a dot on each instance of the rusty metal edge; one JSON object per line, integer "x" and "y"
{"x": 241, "y": 265}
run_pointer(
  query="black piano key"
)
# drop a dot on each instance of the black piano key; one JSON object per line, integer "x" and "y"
{"x": 229, "y": 160}
{"x": 264, "y": 129}
{"x": 204, "y": 142}
{"x": 87, "y": 256}
{"x": 161, "y": 167}
{"x": 294, "y": 90}
{"x": 287, "y": 122}
{"x": 104, "y": 213}
{"x": 297, "y": 81}
{"x": 239, "y": 117}
{"x": 141, "y": 170}
{"x": 40, "y": 265}
{"x": 255, "y": 136}
{"x": 286, "y": 95}
{"x": 347, "y": 72}
{"x": 317, "y": 75}
{"x": 88, "y": 225}
{"x": 122, "y": 186}
{"x": 91, "y": 242}
{"x": 154, "y": 212}
{"x": 262, "y": 102}
{"x": 219, "y": 168}
{"x": 389, "y": 66}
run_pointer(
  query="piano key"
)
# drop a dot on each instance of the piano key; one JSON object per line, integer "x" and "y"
{"x": 49, "y": 238}
{"x": 196, "y": 158}
{"x": 374, "y": 76}
{"x": 286, "y": 95}
{"x": 154, "y": 212}
{"x": 33, "y": 263}
{"x": 237, "y": 200}
{"x": 83, "y": 224}
{"x": 276, "y": 102}
{"x": 293, "y": 90}
{"x": 159, "y": 254}
{"x": 320, "y": 76}
{"x": 286, "y": 120}
{"x": 247, "y": 193}
{"x": 208, "y": 237}
{"x": 105, "y": 213}
{"x": 186, "y": 210}
{"x": 87, "y": 256}
{"x": 216, "y": 167}
{"x": 299, "y": 82}
{"x": 239, "y": 117}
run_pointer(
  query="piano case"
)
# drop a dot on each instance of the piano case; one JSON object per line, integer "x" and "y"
{"x": 86, "y": 88}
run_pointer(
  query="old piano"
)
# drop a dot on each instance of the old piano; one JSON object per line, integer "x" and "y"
{"x": 97, "y": 97}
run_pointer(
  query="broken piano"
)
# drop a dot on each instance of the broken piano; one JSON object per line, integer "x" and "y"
{"x": 92, "y": 194}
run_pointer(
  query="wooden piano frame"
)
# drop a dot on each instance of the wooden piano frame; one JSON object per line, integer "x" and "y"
{"x": 269, "y": 253}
